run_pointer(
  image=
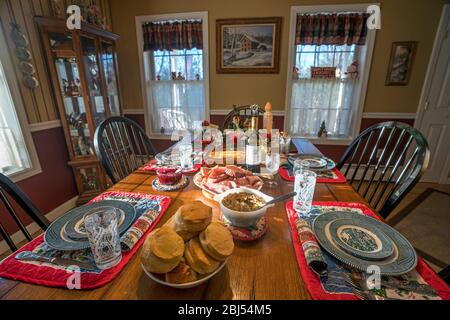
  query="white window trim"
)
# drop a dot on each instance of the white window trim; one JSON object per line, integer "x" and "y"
{"x": 360, "y": 90}
{"x": 8, "y": 67}
{"x": 140, "y": 20}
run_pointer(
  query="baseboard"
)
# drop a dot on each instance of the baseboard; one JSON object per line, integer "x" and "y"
{"x": 18, "y": 237}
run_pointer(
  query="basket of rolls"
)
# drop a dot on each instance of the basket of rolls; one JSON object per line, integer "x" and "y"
{"x": 189, "y": 249}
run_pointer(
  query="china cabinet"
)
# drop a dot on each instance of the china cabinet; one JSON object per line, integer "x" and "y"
{"x": 83, "y": 71}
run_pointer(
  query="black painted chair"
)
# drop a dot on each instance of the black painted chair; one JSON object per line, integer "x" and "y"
{"x": 385, "y": 162}
{"x": 244, "y": 112}
{"x": 445, "y": 275}
{"x": 122, "y": 147}
{"x": 11, "y": 194}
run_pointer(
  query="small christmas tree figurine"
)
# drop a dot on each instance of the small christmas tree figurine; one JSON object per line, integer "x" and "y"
{"x": 323, "y": 130}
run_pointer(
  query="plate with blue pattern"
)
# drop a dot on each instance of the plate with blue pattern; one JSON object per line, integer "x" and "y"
{"x": 316, "y": 163}
{"x": 361, "y": 239}
{"x": 67, "y": 232}
{"x": 402, "y": 260}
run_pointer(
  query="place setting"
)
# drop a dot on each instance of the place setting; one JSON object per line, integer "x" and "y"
{"x": 324, "y": 167}
{"x": 98, "y": 238}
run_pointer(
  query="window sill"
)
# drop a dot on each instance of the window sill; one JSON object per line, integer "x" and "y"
{"x": 25, "y": 174}
{"x": 156, "y": 136}
{"x": 328, "y": 141}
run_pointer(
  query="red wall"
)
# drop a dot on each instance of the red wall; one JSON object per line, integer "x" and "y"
{"x": 55, "y": 185}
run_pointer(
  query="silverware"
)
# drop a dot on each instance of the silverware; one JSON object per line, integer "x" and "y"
{"x": 280, "y": 198}
{"x": 361, "y": 290}
{"x": 30, "y": 256}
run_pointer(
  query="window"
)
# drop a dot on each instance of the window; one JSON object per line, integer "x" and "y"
{"x": 17, "y": 153}
{"x": 337, "y": 99}
{"x": 14, "y": 156}
{"x": 176, "y": 76}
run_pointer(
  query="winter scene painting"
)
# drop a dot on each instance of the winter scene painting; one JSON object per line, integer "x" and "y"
{"x": 249, "y": 47}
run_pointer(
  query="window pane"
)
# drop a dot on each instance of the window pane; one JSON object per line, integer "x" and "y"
{"x": 13, "y": 156}
{"x": 317, "y": 100}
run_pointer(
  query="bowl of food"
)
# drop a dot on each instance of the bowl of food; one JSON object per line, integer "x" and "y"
{"x": 189, "y": 249}
{"x": 243, "y": 207}
{"x": 169, "y": 176}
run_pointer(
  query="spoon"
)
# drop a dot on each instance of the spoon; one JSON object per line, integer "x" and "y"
{"x": 280, "y": 198}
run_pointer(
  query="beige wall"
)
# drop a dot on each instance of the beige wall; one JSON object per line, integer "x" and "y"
{"x": 402, "y": 20}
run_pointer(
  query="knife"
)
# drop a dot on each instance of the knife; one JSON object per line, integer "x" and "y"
{"x": 30, "y": 256}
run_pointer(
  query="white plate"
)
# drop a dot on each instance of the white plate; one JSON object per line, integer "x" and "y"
{"x": 184, "y": 285}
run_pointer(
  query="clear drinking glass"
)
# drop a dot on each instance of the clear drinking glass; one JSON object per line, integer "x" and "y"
{"x": 186, "y": 160}
{"x": 102, "y": 228}
{"x": 272, "y": 165}
{"x": 305, "y": 184}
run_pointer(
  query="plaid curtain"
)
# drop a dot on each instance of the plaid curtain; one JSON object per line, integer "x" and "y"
{"x": 173, "y": 35}
{"x": 331, "y": 29}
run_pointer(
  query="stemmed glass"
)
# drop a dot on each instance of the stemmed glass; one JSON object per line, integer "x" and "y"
{"x": 272, "y": 165}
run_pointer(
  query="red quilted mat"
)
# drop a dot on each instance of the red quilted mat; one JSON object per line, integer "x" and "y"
{"x": 334, "y": 176}
{"x": 334, "y": 288}
{"x": 58, "y": 276}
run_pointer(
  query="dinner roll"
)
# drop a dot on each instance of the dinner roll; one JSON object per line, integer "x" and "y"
{"x": 197, "y": 258}
{"x": 183, "y": 273}
{"x": 193, "y": 217}
{"x": 217, "y": 241}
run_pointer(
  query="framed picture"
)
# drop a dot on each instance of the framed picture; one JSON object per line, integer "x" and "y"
{"x": 400, "y": 65}
{"x": 248, "y": 45}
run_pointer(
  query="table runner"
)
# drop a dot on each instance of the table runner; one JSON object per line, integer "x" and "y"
{"x": 153, "y": 166}
{"x": 149, "y": 209}
{"x": 336, "y": 286}
{"x": 333, "y": 176}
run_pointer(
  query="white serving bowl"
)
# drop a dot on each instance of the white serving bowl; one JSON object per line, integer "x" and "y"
{"x": 243, "y": 219}
{"x": 157, "y": 279}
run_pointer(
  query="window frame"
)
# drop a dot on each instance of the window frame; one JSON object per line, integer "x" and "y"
{"x": 146, "y": 96}
{"x": 19, "y": 107}
{"x": 364, "y": 72}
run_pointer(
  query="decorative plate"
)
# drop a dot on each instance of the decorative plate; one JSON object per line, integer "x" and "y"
{"x": 160, "y": 278}
{"x": 318, "y": 163}
{"x": 361, "y": 240}
{"x": 57, "y": 234}
{"x": 248, "y": 234}
{"x": 402, "y": 260}
{"x": 163, "y": 187}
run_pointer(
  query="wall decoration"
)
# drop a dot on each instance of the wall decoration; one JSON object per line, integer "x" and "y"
{"x": 24, "y": 55}
{"x": 250, "y": 45}
{"x": 400, "y": 65}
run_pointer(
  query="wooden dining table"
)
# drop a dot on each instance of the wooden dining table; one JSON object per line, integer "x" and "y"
{"x": 262, "y": 270}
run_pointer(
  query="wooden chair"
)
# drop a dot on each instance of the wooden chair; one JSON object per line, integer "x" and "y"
{"x": 243, "y": 111}
{"x": 10, "y": 191}
{"x": 122, "y": 147}
{"x": 385, "y": 162}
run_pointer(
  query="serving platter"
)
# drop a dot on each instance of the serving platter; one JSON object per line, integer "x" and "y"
{"x": 317, "y": 163}
{"x": 160, "y": 278}
{"x": 67, "y": 233}
{"x": 402, "y": 260}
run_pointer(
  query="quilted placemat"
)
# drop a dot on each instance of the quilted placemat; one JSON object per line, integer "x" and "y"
{"x": 149, "y": 209}
{"x": 336, "y": 285}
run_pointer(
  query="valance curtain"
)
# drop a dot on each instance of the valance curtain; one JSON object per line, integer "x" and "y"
{"x": 173, "y": 35}
{"x": 331, "y": 29}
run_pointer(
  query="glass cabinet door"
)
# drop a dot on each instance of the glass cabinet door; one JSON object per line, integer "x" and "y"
{"x": 61, "y": 45}
{"x": 93, "y": 79}
{"x": 109, "y": 71}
